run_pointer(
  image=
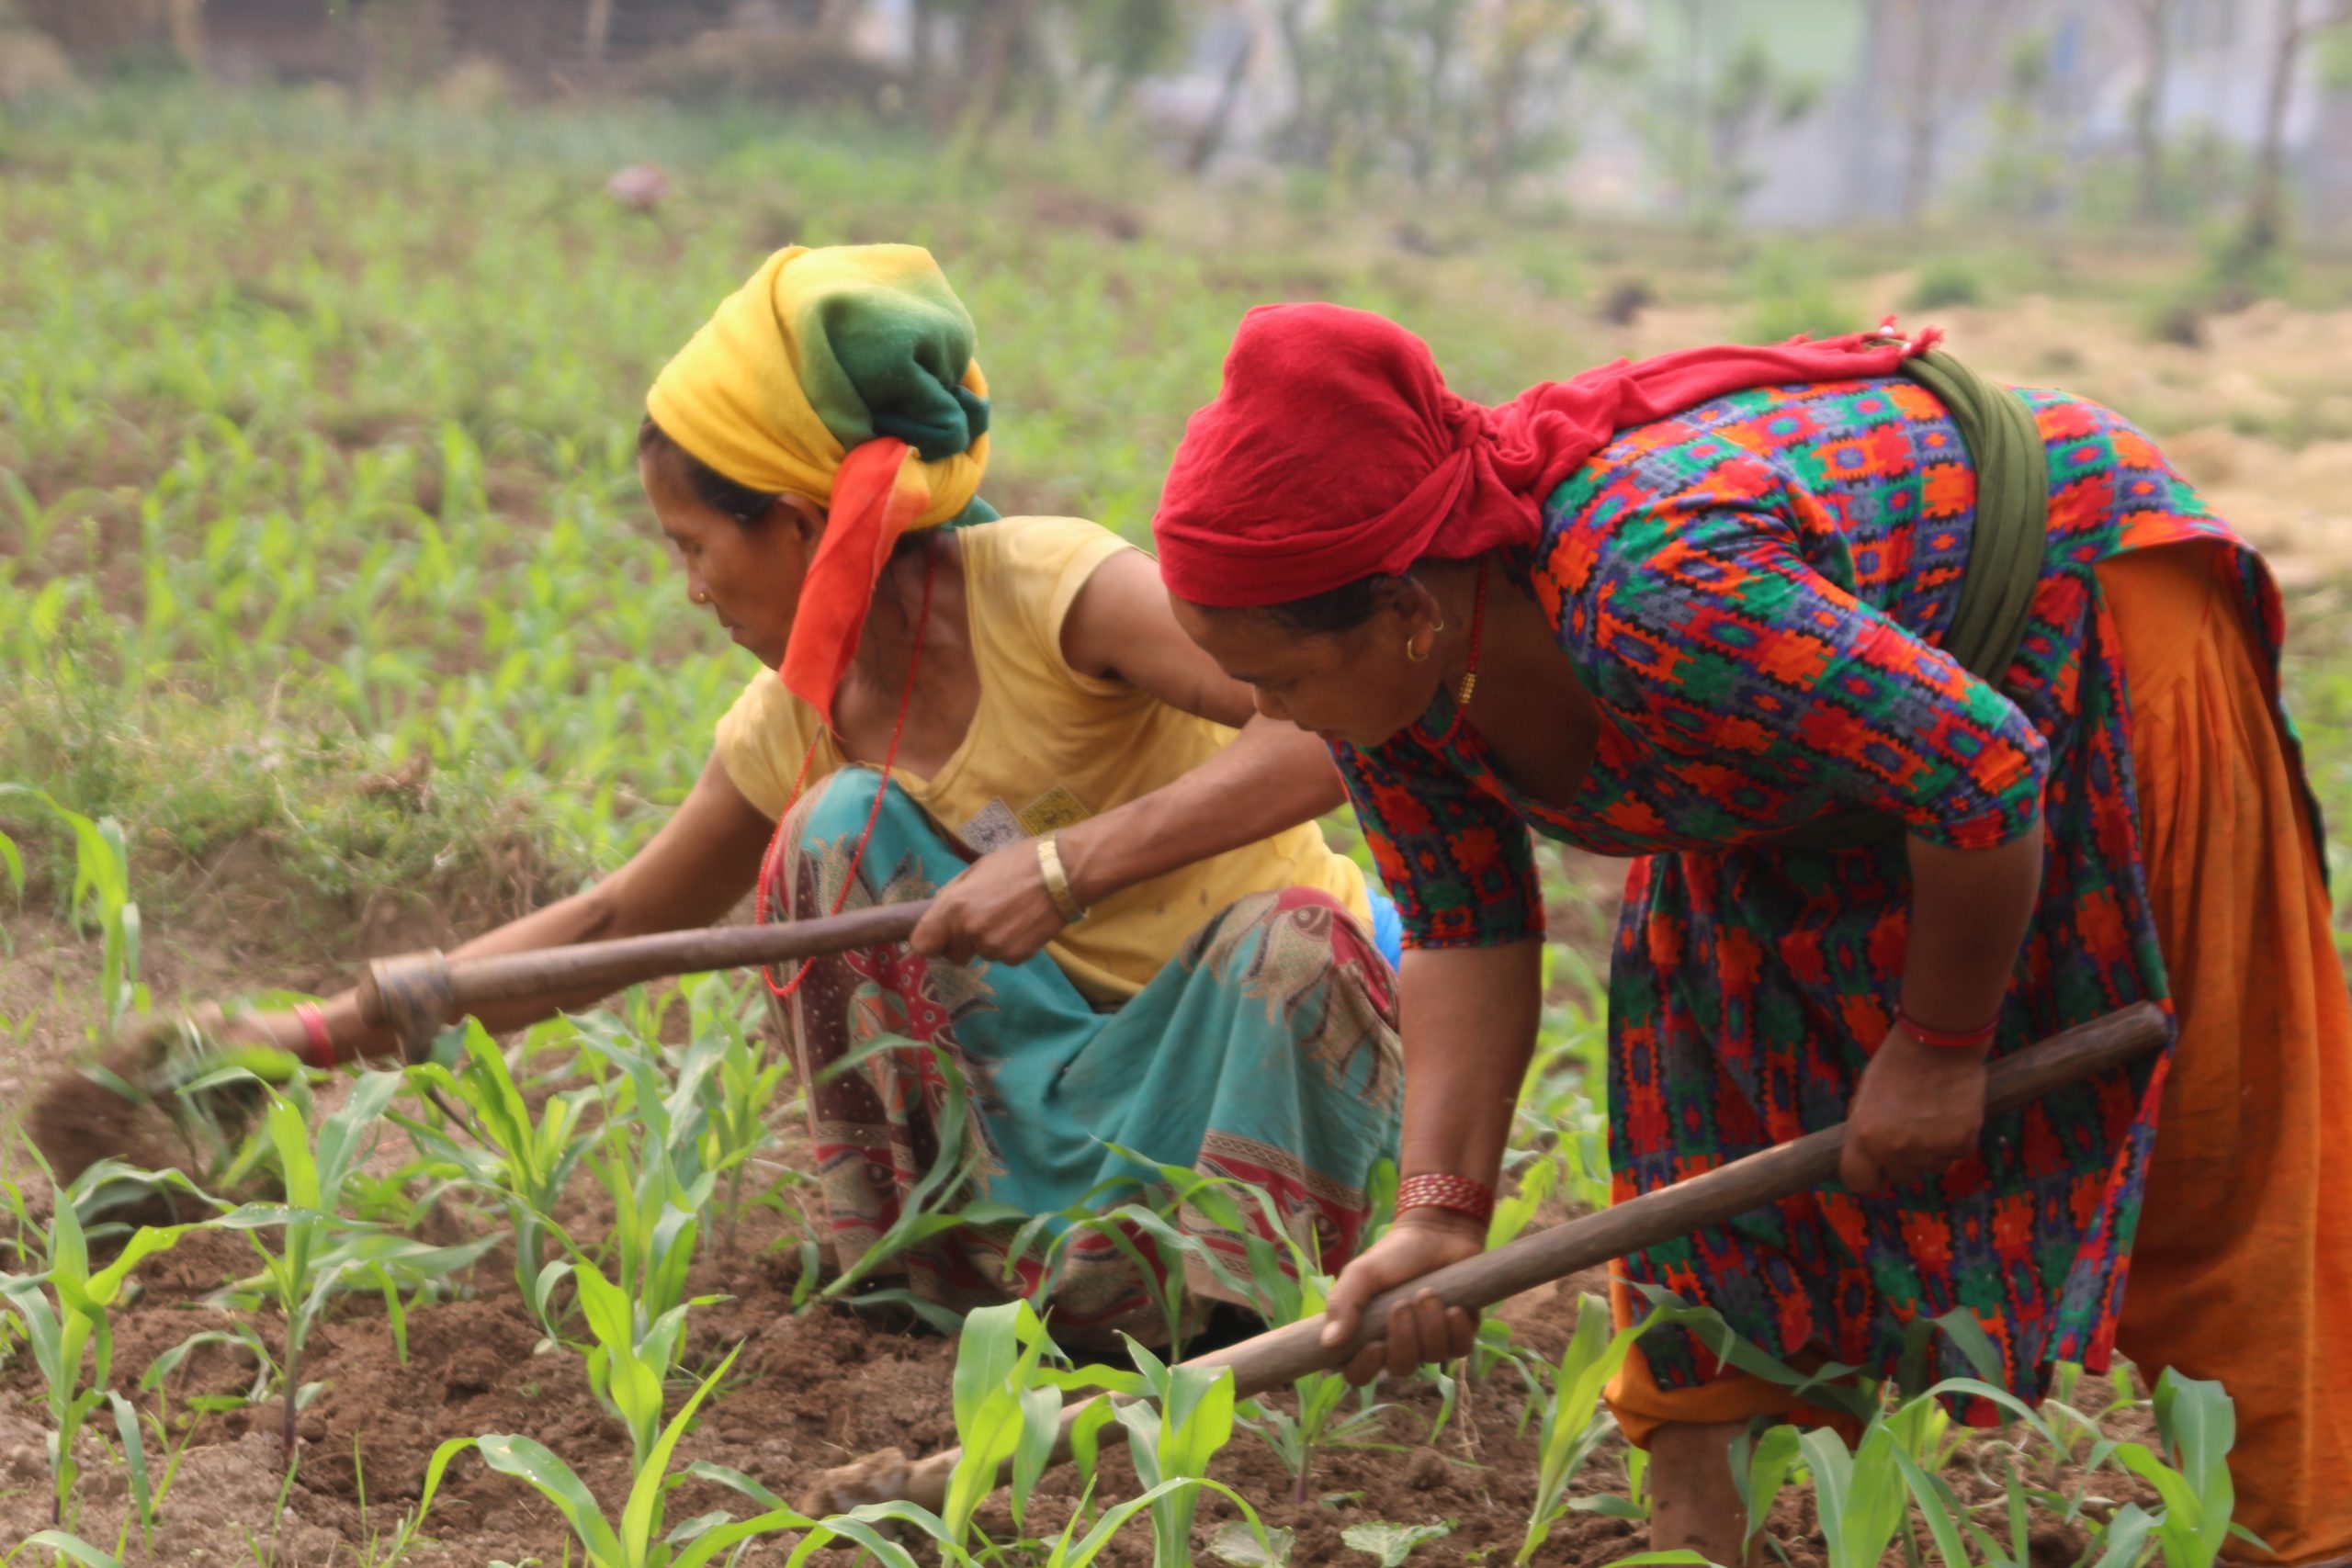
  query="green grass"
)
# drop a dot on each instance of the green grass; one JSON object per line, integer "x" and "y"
{"x": 315, "y": 448}
{"x": 318, "y": 525}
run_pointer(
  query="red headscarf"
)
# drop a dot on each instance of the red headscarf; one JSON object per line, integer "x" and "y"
{"x": 1334, "y": 450}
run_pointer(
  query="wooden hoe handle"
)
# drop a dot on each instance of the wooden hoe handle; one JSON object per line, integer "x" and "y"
{"x": 425, "y": 991}
{"x": 1715, "y": 1197}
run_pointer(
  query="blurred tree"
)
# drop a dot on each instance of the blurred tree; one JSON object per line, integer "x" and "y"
{"x": 1124, "y": 40}
{"x": 1228, "y": 101}
{"x": 1472, "y": 92}
{"x": 2155, "y": 17}
{"x": 2298, "y": 23}
{"x": 97, "y": 29}
{"x": 1529, "y": 43}
{"x": 1432, "y": 128}
{"x": 1749, "y": 96}
{"x": 1710, "y": 114}
{"x": 2025, "y": 173}
{"x": 1938, "y": 55}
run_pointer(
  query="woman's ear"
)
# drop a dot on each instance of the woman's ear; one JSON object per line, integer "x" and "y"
{"x": 802, "y": 515}
{"x": 1413, "y": 600}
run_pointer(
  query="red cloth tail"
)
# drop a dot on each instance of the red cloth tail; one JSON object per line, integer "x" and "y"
{"x": 875, "y": 499}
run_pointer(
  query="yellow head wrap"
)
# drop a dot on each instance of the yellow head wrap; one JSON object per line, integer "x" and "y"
{"x": 847, "y": 357}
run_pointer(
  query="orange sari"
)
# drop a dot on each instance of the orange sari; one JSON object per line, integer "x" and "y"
{"x": 2242, "y": 1268}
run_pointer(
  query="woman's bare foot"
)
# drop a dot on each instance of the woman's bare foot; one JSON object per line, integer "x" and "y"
{"x": 1694, "y": 1502}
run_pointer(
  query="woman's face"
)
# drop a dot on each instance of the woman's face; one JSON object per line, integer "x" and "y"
{"x": 749, "y": 576}
{"x": 1359, "y": 687}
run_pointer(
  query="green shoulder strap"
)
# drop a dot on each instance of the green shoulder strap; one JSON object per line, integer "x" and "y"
{"x": 2004, "y": 566}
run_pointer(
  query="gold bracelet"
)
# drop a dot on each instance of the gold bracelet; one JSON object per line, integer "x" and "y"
{"x": 1049, "y": 864}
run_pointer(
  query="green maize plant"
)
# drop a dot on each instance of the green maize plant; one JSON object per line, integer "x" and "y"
{"x": 375, "y": 1550}
{"x": 101, "y": 897}
{"x": 319, "y": 1252}
{"x": 69, "y": 1548}
{"x": 629, "y": 1365}
{"x": 527, "y": 1162}
{"x": 636, "y": 1538}
{"x": 1001, "y": 1413}
{"x": 1573, "y": 1424}
{"x": 1864, "y": 1496}
{"x": 649, "y": 1159}
{"x": 1560, "y": 1120}
{"x": 148, "y": 1491}
{"x": 1285, "y": 1282}
{"x": 1162, "y": 1252}
{"x": 1172, "y": 1437}
{"x": 740, "y": 1091}
{"x": 2198, "y": 1423}
{"x": 1009, "y": 1386}
{"x": 1318, "y": 1424}
{"x": 63, "y": 1313}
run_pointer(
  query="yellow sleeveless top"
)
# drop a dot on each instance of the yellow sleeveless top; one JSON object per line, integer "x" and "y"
{"x": 1049, "y": 747}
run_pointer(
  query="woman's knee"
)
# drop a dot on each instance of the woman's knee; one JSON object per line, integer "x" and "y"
{"x": 841, "y": 803}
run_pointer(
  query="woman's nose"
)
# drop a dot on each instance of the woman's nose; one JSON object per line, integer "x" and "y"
{"x": 1268, "y": 705}
{"x": 694, "y": 589}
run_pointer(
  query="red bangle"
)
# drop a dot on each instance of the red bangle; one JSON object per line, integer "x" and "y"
{"x": 1946, "y": 1040}
{"x": 314, "y": 1024}
{"x": 1457, "y": 1193}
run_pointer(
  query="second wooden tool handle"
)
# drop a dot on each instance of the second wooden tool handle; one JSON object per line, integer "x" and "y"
{"x": 431, "y": 987}
{"x": 1712, "y": 1197}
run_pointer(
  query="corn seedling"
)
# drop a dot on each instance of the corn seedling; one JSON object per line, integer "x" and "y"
{"x": 1574, "y": 1423}
{"x": 527, "y": 1161}
{"x": 1172, "y": 1437}
{"x": 2199, "y": 1426}
{"x": 1000, "y": 1414}
{"x": 1296, "y": 1439}
{"x": 66, "y": 1325}
{"x": 1864, "y": 1495}
{"x": 636, "y": 1538}
{"x": 69, "y": 1548}
{"x": 649, "y": 1158}
{"x": 374, "y": 1550}
{"x": 1008, "y": 1394}
{"x": 740, "y": 1091}
{"x": 318, "y": 1253}
{"x": 629, "y": 1365}
{"x": 101, "y": 897}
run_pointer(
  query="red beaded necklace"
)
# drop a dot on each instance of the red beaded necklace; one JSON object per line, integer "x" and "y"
{"x": 772, "y": 863}
{"x": 1469, "y": 687}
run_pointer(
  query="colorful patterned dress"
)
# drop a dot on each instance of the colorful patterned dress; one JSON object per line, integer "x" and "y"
{"x": 1751, "y": 591}
{"x": 1263, "y": 1052}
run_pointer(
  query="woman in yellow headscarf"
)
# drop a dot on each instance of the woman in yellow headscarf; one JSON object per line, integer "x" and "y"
{"x": 1139, "y": 940}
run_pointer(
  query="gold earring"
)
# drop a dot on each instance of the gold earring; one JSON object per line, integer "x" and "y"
{"x": 1423, "y": 656}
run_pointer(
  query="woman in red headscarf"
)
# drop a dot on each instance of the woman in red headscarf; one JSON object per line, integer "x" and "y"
{"x": 1699, "y": 613}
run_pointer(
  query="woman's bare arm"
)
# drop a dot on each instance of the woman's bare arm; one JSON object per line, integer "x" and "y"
{"x": 689, "y": 873}
{"x": 1470, "y": 1022}
{"x": 1273, "y": 776}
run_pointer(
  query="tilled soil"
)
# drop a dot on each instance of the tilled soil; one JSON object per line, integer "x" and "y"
{"x": 808, "y": 1391}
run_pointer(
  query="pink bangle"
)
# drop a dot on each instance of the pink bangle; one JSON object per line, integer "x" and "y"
{"x": 1946, "y": 1040}
{"x": 314, "y": 1024}
{"x": 1457, "y": 1193}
